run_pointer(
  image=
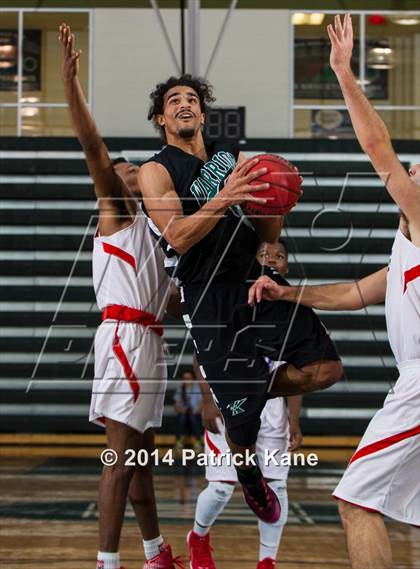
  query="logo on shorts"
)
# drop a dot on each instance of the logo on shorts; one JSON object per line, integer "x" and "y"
{"x": 236, "y": 407}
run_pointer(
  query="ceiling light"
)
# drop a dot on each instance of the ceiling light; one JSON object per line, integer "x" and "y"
{"x": 7, "y": 64}
{"x": 405, "y": 20}
{"x": 29, "y": 112}
{"x": 30, "y": 100}
{"x": 7, "y": 50}
{"x": 302, "y": 19}
{"x": 381, "y": 50}
{"x": 380, "y": 57}
{"x": 316, "y": 19}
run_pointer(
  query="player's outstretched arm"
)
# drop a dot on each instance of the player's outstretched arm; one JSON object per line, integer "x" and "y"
{"x": 370, "y": 129}
{"x": 107, "y": 183}
{"x": 165, "y": 209}
{"x": 338, "y": 296}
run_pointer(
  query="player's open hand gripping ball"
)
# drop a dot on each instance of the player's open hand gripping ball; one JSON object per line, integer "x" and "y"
{"x": 284, "y": 186}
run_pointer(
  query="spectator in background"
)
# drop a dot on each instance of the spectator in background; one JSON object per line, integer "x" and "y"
{"x": 275, "y": 256}
{"x": 188, "y": 404}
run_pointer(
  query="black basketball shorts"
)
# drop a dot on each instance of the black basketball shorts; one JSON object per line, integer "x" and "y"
{"x": 234, "y": 340}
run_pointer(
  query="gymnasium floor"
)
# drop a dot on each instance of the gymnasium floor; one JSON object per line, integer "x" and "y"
{"x": 48, "y": 516}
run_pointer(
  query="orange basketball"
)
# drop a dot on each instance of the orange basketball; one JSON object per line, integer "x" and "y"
{"x": 285, "y": 186}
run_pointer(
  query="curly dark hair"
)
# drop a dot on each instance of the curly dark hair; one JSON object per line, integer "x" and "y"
{"x": 202, "y": 87}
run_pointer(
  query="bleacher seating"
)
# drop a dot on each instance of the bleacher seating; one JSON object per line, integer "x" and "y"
{"x": 48, "y": 312}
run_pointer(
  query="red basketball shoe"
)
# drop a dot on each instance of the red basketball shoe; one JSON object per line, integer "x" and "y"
{"x": 266, "y": 563}
{"x": 200, "y": 551}
{"x": 263, "y": 501}
{"x": 164, "y": 560}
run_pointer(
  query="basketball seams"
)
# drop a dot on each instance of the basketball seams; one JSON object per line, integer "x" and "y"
{"x": 283, "y": 194}
{"x": 274, "y": 185}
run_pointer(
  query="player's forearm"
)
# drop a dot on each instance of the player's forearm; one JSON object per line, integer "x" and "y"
{"x": 83, "y": 122}
{"x": 338, "y": 296}
{"x": 294, "y": 406}
{"x": 185, "y": 232}
{"x": 370, "y": 129}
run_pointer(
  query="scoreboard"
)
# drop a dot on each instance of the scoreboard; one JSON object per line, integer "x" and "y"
{"x": 225, "y": 123}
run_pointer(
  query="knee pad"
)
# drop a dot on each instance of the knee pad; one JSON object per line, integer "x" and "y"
{"x": 245, "y": 435}
{"x": 222, "y": 491}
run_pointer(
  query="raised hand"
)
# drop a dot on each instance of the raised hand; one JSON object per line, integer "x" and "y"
{"x": 265, "y": 289}
{"x": 341, "y": 36}
{"x": 70, "y": 63}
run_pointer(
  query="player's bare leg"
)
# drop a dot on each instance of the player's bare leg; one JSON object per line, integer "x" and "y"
{"x": 114, "y": 484}
{"x": 367, "y": 538}
{"x": 142, "y": 494}
{"x": 290, "y": 380}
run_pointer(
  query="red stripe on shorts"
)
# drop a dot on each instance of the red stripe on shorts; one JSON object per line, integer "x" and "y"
{"x": 211, "y": 445}
{"x": 128, "y": 370}
{"x": 410, "y": 275}
{"x": 384, "y": 443}
{"x": 120, "y": 253}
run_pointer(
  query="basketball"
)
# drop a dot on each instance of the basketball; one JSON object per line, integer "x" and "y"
{"x": 285, "y": 186}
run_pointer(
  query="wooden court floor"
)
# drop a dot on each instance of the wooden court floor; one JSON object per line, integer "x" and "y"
{"x": 48, "y": 519}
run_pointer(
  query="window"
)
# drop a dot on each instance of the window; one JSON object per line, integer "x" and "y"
{"x": 385, "y": 61}
{"x": 31, "y": 92}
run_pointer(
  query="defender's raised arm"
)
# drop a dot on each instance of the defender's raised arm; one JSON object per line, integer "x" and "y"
{"x": 337, "y": 296}
{"x": 112, "y": 193}
{"x": 371, "y": 130}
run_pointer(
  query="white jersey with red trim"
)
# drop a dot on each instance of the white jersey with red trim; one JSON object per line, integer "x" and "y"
{"x": 402, "y": 303}
{"x": 128, "y": 269}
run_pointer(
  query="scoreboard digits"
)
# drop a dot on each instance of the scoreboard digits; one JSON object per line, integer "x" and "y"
{"x": 225, "y": 123}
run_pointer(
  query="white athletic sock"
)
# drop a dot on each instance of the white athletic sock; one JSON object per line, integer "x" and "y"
{"x": 210, "y": 504}
{"x": 152, "y": 547}
{"x": 270, "y": 534}
{"x": 108, "y": 560}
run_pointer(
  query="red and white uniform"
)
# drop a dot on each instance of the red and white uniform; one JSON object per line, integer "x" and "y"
{"x": 272, "y": 436}
{"x": 384, "y": 473}
{"x": 132, "y": 290}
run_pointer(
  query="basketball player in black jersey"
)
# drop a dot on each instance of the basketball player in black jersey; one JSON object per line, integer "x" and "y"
{"x": 193, "y": 193}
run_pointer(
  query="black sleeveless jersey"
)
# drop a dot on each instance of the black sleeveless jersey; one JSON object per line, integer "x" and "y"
{"x": 227, "y": 253}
